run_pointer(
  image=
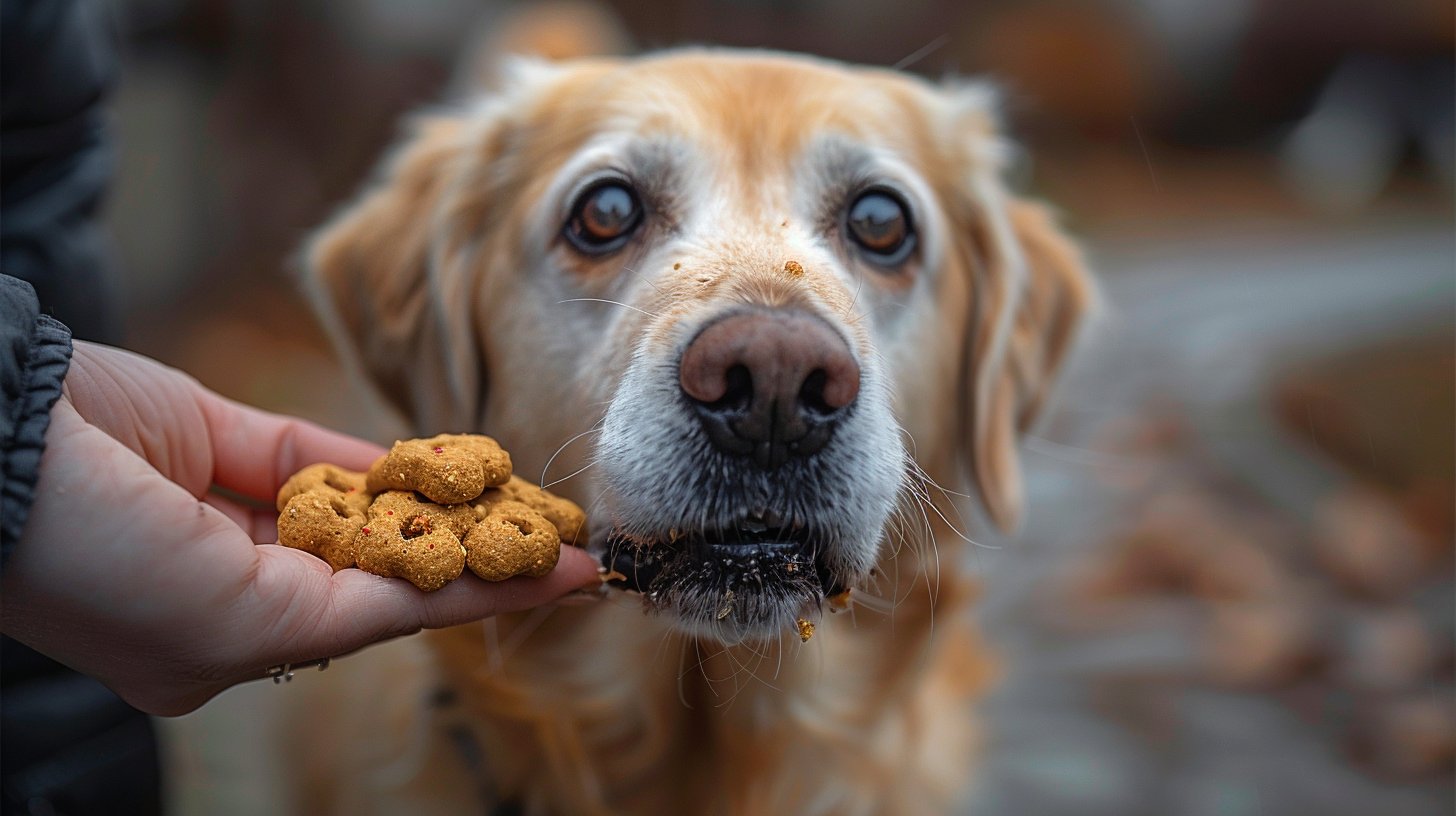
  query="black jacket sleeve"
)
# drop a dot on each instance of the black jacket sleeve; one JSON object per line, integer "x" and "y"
{"x": 35, "y": 353}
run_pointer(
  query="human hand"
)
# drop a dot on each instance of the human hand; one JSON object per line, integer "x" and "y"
{"x": 129, "y": 570}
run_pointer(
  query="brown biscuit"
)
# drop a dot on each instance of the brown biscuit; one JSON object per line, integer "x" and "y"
{"x": 426, "y": 511}
{"x": 405, "y": 506}
{"x": 346, "y": 483}
{"x": 412, "y": 539}
{"x": 564, "y": 515}
{"x": 447, "y": 469}
{"x": 320, "y": 511}
{"x": 512, "y": 540}
{"x": 322, "y": 525}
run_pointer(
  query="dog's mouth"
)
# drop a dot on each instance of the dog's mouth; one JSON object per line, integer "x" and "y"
{"x": 748, "y": 579}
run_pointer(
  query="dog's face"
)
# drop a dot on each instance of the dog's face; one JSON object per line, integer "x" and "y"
{"x": 754, "y": 277}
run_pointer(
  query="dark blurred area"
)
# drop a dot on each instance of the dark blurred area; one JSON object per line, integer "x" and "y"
{"x": 1235, "y": 593}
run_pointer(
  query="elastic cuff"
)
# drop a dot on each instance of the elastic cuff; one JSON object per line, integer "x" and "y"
{"x": 46, "y": 364}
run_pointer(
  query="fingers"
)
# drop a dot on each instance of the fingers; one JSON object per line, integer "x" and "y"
{"x": 260, "y": 523}
{"x": 352, "y": 609}
{"x": 254, "y": 451}
{"x": 195, "y": 437}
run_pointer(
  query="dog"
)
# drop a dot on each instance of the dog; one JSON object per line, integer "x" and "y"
{"x": 769, "y": 318}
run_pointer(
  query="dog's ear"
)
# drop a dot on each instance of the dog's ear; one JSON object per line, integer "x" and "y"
{"x": 389, "y": 282}
{"x": 1033, "y": 297}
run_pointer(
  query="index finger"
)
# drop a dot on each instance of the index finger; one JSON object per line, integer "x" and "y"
{"x": 254, "y": 452}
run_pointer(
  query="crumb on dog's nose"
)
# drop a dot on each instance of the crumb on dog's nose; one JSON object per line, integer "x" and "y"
{"x": 769, "y": 384}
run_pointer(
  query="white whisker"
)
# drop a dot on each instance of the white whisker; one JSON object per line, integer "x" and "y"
{"x": 604, "y": 300}
{"x": 584, "y": 468}
{"x": 587, "y": 432}
{"x": 1081, "y": 456}
{"x": 644, "y": 279}
{"x": 921, "y": 53}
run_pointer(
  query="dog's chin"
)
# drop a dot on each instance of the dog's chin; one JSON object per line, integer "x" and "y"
{"x": 745, "y": 582}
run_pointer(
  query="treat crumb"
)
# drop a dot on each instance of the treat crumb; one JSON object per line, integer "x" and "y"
{"x": 793, "y": 268}
{"x": 806, "y": 629}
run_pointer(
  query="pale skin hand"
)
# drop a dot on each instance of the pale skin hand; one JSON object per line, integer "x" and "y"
{"x": 130, "y": 571}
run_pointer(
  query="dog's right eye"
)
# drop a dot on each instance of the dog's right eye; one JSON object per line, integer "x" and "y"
{"x": 603, "y": 218}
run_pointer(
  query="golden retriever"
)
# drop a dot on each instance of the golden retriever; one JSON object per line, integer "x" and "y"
{"x": 767, "y": 317}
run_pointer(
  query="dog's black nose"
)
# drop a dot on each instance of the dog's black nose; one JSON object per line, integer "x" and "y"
{"x": 769, "y": 384}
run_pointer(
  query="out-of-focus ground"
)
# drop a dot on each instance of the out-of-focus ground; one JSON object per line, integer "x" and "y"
{"x": 1234, "y": 594}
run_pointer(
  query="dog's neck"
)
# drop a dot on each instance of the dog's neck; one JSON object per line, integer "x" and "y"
{"x": 607, "y": 704}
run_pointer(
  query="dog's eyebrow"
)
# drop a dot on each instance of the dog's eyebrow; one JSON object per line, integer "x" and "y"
{"x": 841, "y": 165}
{"x": 650, "y": 162}
{"x": 657, "y": 163}
{"x": 838, "y": 156}
{"x": 835, "y": 165}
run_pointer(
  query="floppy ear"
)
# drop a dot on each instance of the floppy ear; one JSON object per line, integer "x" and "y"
{"x": 390, "y": 282}
{"x": 1032, "y": 301}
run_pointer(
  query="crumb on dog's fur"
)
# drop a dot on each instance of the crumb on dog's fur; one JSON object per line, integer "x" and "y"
{"x": 793, "y": 268}
{"x": 806, "y": 629}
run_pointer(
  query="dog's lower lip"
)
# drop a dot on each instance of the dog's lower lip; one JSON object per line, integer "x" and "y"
{"x": 634, "y": 564}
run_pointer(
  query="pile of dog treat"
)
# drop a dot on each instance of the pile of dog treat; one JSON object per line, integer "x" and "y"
{"x": 426, "y": 511}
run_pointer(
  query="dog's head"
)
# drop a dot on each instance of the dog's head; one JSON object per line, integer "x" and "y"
{"x": 755, "y": 277}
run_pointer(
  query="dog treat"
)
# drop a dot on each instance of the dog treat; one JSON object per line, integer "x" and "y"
{"x": 499, "y": 526}
{"x": 416, "y": 513}
{"x": 806, "y": 629}
{"x": 447, "y": 469}
{"x": 564, "y": 515}
{"x": 512, "y": 540}
{"x": 334, "y": 480}
{"x": 320, "y": 511}
{"x": 412, "y": 539}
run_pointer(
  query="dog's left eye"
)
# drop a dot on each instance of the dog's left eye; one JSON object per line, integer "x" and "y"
{"x": 603, "y": 218}
{"x": 880, "y": 223}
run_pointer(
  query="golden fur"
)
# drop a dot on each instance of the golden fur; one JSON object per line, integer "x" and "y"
{"x": 429, "y": 283}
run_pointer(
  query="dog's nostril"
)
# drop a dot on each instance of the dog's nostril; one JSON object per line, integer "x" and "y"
{"x": 769, "y": 383}
{"x": 738, "y": 393}
{"x": 811, "y": 394}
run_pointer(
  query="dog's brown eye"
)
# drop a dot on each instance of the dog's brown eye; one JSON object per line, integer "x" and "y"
{"x": 880, "y": 223}
{"x": 603, "y": 218}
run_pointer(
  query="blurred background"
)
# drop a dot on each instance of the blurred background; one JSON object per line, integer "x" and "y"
{"x": 1235, "y": 592}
